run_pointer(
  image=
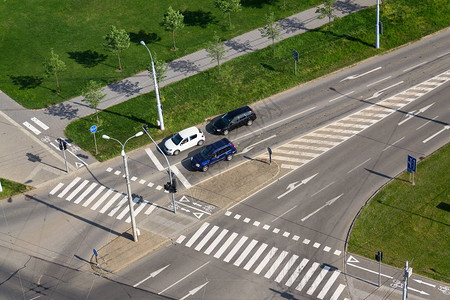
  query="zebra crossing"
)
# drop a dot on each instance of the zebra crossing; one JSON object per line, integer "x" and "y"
{"x": 33, "y": 128}
{"x": 300, "y": 151}
{"x": 99, "y": 197}
{"x": 271, "y": 262}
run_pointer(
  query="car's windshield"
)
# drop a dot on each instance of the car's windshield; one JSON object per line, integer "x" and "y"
{"x": 206, "y": 152}
{"x": 176, "y": 139}
{"x": 226, "y": 118}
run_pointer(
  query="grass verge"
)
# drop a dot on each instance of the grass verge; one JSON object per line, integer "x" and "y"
{"x": 257, "y": 75}
{"x": 11, "y": 188}
{"x": 410, "y": 222}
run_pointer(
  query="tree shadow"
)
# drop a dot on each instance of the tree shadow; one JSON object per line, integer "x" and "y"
{"x": 87, "y": 58}
{"x": 132, "y": 118}
{"x": 348, "y": 6}
{"x": 63, "y": 111}
{"x": 148, "y": 38}
{"x": 183, "y": 66}
{"x": 268, "y": 67}
{"x": 239, "y": 47}
{"x": 257, "y": 3}
{"x": 198, "y": 18}
{"x": 26, "y": 82}
{"x": 292, "y": 25}
{"x": 125, "y": 87}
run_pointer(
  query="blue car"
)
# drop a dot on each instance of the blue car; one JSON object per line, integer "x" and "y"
{"x": 211, "y": 154}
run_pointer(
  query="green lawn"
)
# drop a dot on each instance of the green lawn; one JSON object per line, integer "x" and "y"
{"x": 410, "y": 222}
{"x": 75, "y": 30}
{"x": 11, "y": 188}
{"x": 258, "y": 75}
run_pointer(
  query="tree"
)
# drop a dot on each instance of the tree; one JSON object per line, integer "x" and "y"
{"x": 93, "y": 94}
{"x": 53, "y": 66}
{"x": 216, "y": 50}
{"x": 326, "y": 10}
{"x": 117, "y": 41}
{"x": 271, "y": 30}
{"x": 228, "y": 6}
{"x": 173, "y": 20}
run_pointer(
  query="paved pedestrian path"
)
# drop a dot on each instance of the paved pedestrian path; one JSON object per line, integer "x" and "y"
{"x": 46, "y": 125}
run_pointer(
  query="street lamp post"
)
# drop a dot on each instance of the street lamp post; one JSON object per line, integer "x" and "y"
{"x": 127, "y": 178}
{"x": 145, "y": 128}
{"x": 155, "y": 83}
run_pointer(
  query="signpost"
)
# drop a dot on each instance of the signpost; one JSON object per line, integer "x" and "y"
{"x": 379, "y": 258}
{"x": 93, "y": 129}
{"x": 411, "y": 167}
{"x": 63, "y": 147}
{"x": 270, "y": 155}
{"x": 295, "y": 55}
{"x": 95, "y": 254}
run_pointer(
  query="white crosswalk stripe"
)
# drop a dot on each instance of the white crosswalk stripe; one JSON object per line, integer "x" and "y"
{"x": 307, "y": 276}
{"x": 67, "y": 189}
{"x": 276, "y": 264}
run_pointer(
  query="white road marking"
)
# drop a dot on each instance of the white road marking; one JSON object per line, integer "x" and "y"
{"x": 32, "y": 128}
{"x": 328, "y": 203}
{"x": 206, "y": 238}
{"x": 66, "y": 190}
{"x": 181, "y": 177}
{"x": 426, "y": 123}
{"x": 197, "y": 234}
{"x": 255, "y": 256}
{"x": 56, "y": 188}
{"x": 341, "y": 96}
{"x": 322, "y": 189}
{"x": 126, "y": 209}
{"x": 265, "y": 261}
{"x": 359, "y": 75}
{"x": 84, "y": 194}
{"x": 39, "y": 123}
{"x": 110, "y": 202}
{"x": 276, "y": 264}
{"x": 118, "y": 206}
{"x": 77, "y": 190}
{"x": 184, "y": 278}
{"x": 295, "y": 237}
{"x": 328, "y": 285}
{"x": 358, "y": 166}
{"x": 93, "y": 196}
{"x": 192, "y": 207}
{"x": 216, "y": 241}
{"x": 225, "y": 245}
{"x": 370, "y": 271}
{"x": 429, "y": 138}
{"x": 378, "y": 81}
{"x": 154, "y": 159}
{"x": 337, "y": 292}
{"x": 244, "y": 254}
{"x": 180, "y": 239}
{"x": 102, "y": 199}
{"x": 307, "y": 276}
{"x": 153, "y": 274}
{"x": 413, "y": 67}
{"x": 137, "y": 211}
{"x": 286, "y": 268}
{"x": 337, "y": 252}
{"x": 318, "y": 280}
{"x": 235, "y": 249}
{"x": 378, "y": 93}
{"x": 297, "y": 271}
{"x": 393, "y": 144}
{"x": 193, "y": 291}
{"x": 150, "y": 209}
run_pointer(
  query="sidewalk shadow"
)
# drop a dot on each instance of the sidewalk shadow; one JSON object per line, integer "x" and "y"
{"x": 348, "y": 6}
{"x": 239, "y": 47}
{"x": 63, "y": 111}
{"x": 292, "y": 25}
{"x": 183, "y": 66}
{"x": 126, "y": 87}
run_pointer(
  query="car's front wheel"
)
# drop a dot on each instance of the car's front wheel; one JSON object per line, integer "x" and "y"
{"x": 225, "y": 132}
{"x": 205, "y": 168}
{"x": 249, "y": 122}
{"x": 229, "y": 157}
{"x": 176, "y": 152}
{"x": 200, "y": 142}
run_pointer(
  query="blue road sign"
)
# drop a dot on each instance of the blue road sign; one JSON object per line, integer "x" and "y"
{"x": 411, "y": 164}
{"x": 295, "y": 55}
{"x": 93, "y": 128}
{"x": 95, "y": 252}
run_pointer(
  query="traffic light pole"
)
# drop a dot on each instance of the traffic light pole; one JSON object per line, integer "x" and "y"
{"x": 63, "y": 147}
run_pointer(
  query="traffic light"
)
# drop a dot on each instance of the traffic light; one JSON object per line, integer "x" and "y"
{"x": 172, "y": 188}
{"x": 62, "y": 144}
{"x": 167, "y": 187}
{"x": 379, "y": 256}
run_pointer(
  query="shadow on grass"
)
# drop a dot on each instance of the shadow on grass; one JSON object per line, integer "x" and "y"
{"x": 26, "y": 82}
{"x": 258, "y": 3}
{"x": 342, "y": 36}
{"x": 198, "y": 18}
{"x": 148, "y": 38}
{"x": 87, "y": 58}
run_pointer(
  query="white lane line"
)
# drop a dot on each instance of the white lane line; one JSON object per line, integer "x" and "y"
{"x": 265, "y": 261}
{"x": 413, "y": 67}
{"x": 235, "y": 249}
{"x": 154, "y": 159}
{"x": 137, "y": 211}
{"x": 244, "y": 254}
{"x": 426, "y": 123}
{"x": 429, "y": 138}
{"x": 77, "y": 190}
{"x": 358, "y": 166}
{"x": 283, "y": 214}
{"x": 255, "y": 256}
{"x": 102, "y": 199}
{"x": 368, "y": 270}
{"x": 110, "y": 202}
{"x": 153, "y": 274}
{"x": 284, "y": 120}
{"x": 338, "y": 292}
{"x": 286, "y": 268}
{"x": 276, "y": 264}
{"x": 66, "y": 190}
{"x": 359, "y": 75}
{"x": 39, "y": 123}
{"x": 150, "y": 209}
{"x": 216, "y": 241}
{"x": 225, "y": 245}
{"x": 393, "y": 144}
{"x": 184, "y": 278}
{"x": 84, "y": 194}
{"x": 32, "y": 128}
{"x": 93, "y": 196}
{"x": 318, "y": 280}
{"x": 341, "y": 96}
{"x": 118, "y": 206}
{"x": 197, "y": 234}
{"x": 322, "y": 189}
{"x": 307, "y": 276}
{"x": 328, "y": 285}
{"x": 180, "y": 176}
{"x": 297, "y": 271}
{"x": 206, "y": 238}
{"x": 378, "y": 81}
{"x": 56, "y": 188}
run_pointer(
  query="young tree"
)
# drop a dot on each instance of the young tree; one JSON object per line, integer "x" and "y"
{"x": 173, "y": 20}
{"x": 53, "y": 66}
{"x": 92, "y": 95}
{"x": 117, "y": 41}
{"x": 271, "y": 30}
{"x": 326, "y": 10}
{"x": 216, "y": 50}
{"x": 228, "y": 6}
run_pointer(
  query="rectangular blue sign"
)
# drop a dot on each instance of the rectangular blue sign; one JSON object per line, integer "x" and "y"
{"x": 411, "y": 164}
